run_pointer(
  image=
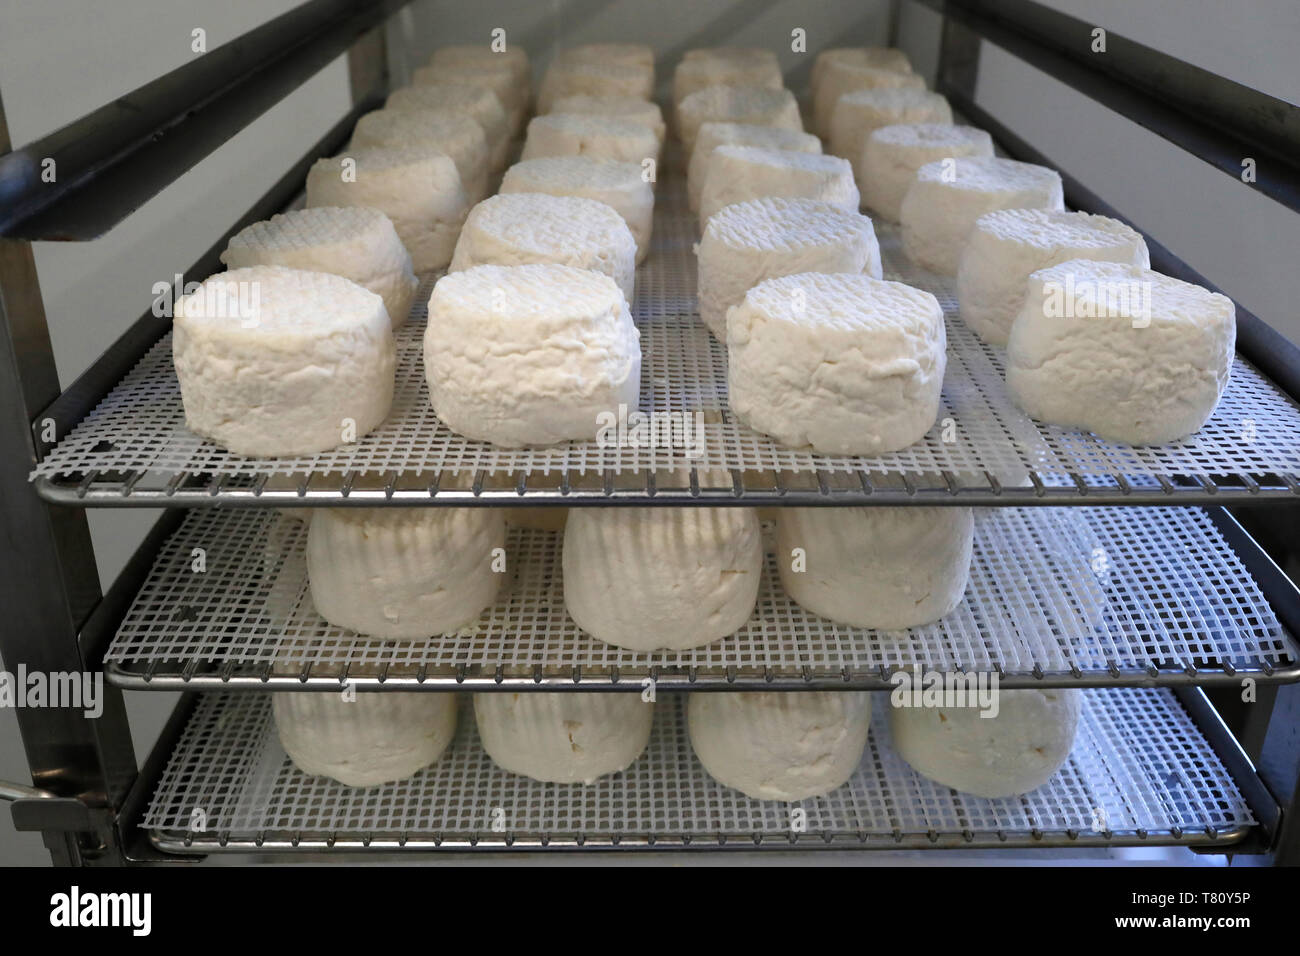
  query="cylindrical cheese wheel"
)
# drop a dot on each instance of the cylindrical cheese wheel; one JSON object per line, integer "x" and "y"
{"x": 531, "y": 354}
{"x": 1008, "y": 752}
{"x": 780, "y": 746}
{"x": 891, "y": 156}
{"x": 857, "y": 115}
{"x": 563, "y": 737}
{"x": 841, "y": 364}
{"x": 353, "y": 242}
{"x": 739, "y": 173}
{"x": 404, "y": 573}
{"x": 885, "y": 568}
{"x": 947, "y": 196}
{"x": 753, "y": 105}
{"x": 652, "y": 578}
{"x": 711, "y": 135}
{"x": 275, "y": 362}
{"x": 748, "y": 242}
{"x": 443, "y": 131}
{"x": 365, "y": 739}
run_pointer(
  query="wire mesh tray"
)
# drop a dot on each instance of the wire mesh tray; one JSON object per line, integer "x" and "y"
{"x": 134, "y": 448}
{"x": 1140, "y": 773}
{"x": 1096, "y": 596}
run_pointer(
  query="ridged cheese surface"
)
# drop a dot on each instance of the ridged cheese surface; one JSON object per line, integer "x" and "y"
{"x": 355, "y": 243}
{"x": 601, "y": 137}
{"x": 892, "y": 154}
{"x": 748, "y": 242}
{"x": 1121, "y": 351}
{"x": 499, "y": 77}
{"x": 856, "y": 115}
{"x": 368, "y": 740}
{"x": 774, "y": 746}
{"x": 419, "y": 190}
{"x": 567, "y": 76}
{"x": 444, "y": 131}
{"x": 714, "y": 134}
{"x": 880, "y": 57}
{"x": 277, "y": 362}
{"x": 947, "y": 196}
{"x": 841, "y": 364}
{"x": 753, "y": 105}
{"x": 725, "y": 66}
{"x": 513, "y": 229}
{"x": 479, "y": 103}
{"x": 621, "y": 186}
{"x": 1013, "y": 752}
{"x": 740, "y": 173}
{"x": 885, "y": 568}
{"x": 404, "y": 573}
{"x": 626, "y": 108}
{"x": 1007, "y": 245}
{"x": 652, "y": 578}
{"x": 561, "y": 737}
{"x": 530, "y": 355}
{"x": 840, "y": 77}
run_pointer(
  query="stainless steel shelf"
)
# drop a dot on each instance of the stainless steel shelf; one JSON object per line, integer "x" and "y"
{"x": 134, "y": 448}
{"x": 1071, "y": 597}
{"x": 1140, "y": 774}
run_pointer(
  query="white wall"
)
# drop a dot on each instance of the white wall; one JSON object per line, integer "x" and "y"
{"x": 58, "y": 60}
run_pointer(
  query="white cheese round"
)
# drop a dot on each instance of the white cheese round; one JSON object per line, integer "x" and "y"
{"x": 752, "y": 105}
{"x": 443, "y": 131}
{"x": 355, "y": 243}
{"x": 482, "y": 54}
{"x": 739, "y": 173}
{"x": 654, "y": 578}
{"x": 881, "y": 57}
{"x": 280, "y": 362}
{"x": 725, "y": 66}
{"x": 856, "y": 115}
{"x": 627, "y": 108}
{"x": 567, "y": 76}
{"x": 885, "y": 568}
{"x": 1008, "y": 244}
{"x": 947, "y": 196}
{"x": 530, "y": 355}
{"x": 628, "y": 54}
{"x": 843, "y": 364}
{"x": 500, "y": 77}
{"x": 1011, "y": 753}
{"x": 621, "y": 186}
{"x": 711, "y": 135}
{"x": 1123, "y": 352}
{"x": 842, "y": 76}
{"x": 477, "y": 102}
{"x": 780, "y": 746}
{"x": 513, "y": 229}
{"x": 747, "y": 242}
{"x": 563, "y": 737}
{"x": 371, "y": 739}
{"x": 419, "y": 190}
{"x": 600, "y": 137}
{"x": 892, "y": 155}
{"x": 404, "y": 573}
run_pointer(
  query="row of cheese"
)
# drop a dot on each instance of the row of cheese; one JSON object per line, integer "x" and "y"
{"x": 767, "y": 745}
{"x": 640, "y": 578}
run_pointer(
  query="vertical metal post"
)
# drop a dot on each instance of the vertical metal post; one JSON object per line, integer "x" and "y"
{"x": 48, "y": 580}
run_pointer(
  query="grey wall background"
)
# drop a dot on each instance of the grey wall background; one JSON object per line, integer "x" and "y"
{"x": 50, "y": 74}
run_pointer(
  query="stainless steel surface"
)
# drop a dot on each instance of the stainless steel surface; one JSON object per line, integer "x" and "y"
{"x": 20, "y": 791}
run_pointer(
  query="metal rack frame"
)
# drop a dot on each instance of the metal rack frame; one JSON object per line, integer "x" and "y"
{"x": 88, "y": 795}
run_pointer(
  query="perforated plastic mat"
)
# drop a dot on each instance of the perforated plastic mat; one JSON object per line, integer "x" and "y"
{"x": 1140, "y": 772}
{"x": 1090, "y": 595}
{"x": 135, "y": 442}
